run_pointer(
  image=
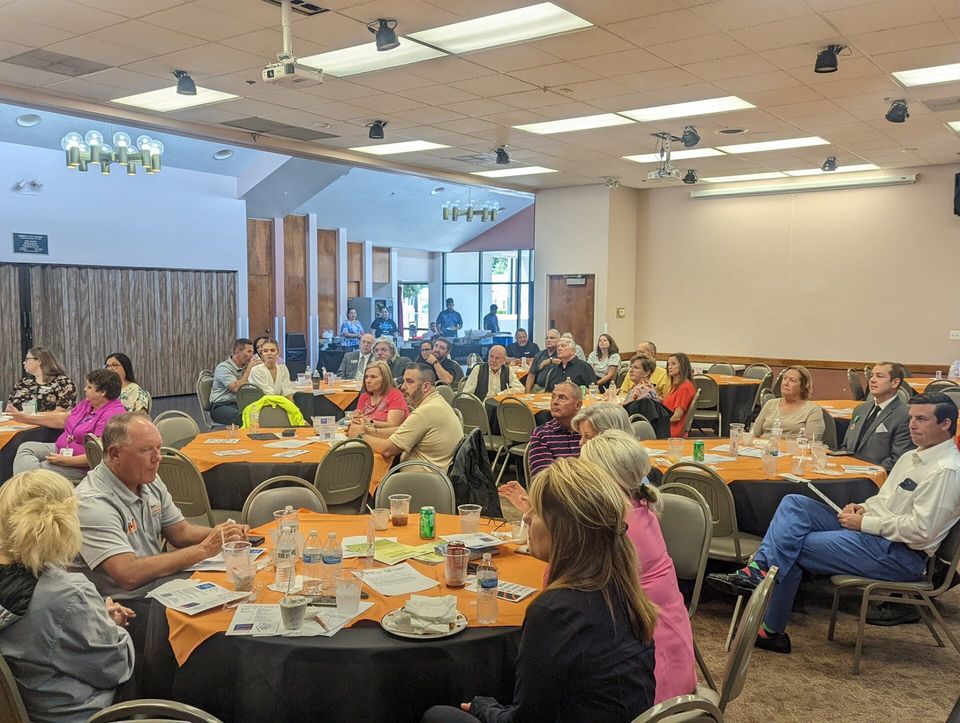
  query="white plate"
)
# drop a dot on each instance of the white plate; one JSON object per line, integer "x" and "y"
{"x": 387, "y": 624}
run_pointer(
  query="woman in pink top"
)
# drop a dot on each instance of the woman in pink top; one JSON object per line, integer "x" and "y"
{"x": 624, "y": 457}
{"x": 67, "y": 455}
{"x": 381, "y": 402}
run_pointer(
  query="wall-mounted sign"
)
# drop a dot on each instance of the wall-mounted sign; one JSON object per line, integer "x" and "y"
{"x": 30, "y": 243}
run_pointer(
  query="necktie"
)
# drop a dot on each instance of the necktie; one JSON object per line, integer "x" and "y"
{"x": 867, "y": 422}
{"x": 361, "y": 367}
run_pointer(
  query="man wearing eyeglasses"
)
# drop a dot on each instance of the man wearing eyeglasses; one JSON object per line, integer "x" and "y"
{"x": 543, "y": 361}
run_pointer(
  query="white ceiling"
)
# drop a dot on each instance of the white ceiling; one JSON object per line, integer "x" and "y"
{"x": 641, "y": 53}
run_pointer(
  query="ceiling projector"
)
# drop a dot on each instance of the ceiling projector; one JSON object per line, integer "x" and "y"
{"x": 287, "y": 71}
{"x": 665, "y": 171}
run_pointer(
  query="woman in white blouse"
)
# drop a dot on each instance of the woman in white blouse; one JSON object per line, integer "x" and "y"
{"x": 271, "y": 377}
{"x": 605, "y": 360}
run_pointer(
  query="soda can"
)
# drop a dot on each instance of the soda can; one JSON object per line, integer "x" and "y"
{"x": 698, "y": 450}
{"x": 428, "y": 523}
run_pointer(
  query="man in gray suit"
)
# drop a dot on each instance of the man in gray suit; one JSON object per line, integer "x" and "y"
{"x": 878, "y": 430}
{"x": 354, "y": 362}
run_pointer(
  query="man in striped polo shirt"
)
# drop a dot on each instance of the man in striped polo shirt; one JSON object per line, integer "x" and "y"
{"x": 556, "y": 438}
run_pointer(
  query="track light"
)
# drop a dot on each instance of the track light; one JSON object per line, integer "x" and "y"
{"x": 503, "y": 158}
{"x": 386, "y": 35}
{"x": 376, "y": 130}
{"x": 898, "y": 112}
{"x": 185, "y": 84}
{"x": 689, "y": 137}
{"x": 829, "y": 165}
{"x": 691, "y": 177}
{"x": 827, "y": 59}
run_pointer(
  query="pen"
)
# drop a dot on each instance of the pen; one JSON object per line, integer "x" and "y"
{"x": 322, "y": 624}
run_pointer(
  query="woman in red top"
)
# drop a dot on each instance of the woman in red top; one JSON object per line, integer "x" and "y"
{"x": 381, "y": 402}
{"x": 681, "y": 392}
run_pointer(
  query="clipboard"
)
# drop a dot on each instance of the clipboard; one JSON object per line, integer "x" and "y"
{"x": 812, "y": 488}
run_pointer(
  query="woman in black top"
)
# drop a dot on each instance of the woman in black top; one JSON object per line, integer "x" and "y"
{"x": 586, "y": 653}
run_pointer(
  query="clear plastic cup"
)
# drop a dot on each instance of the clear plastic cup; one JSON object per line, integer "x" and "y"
{"x": 29, "y": 406}
{"x": 399, "y": 510}
{"x": 469, "y": 518}
{"x": 239, "y": 567}
{"x": 348, "y": 594}
{"x": 233, "y": 432}
{"x": 819, "y": 452}
{"x": 455, "y": 562}
{"x": 381, "y": 518}
{"x": 293, "y": 608}
{"x": 674, "y": 449}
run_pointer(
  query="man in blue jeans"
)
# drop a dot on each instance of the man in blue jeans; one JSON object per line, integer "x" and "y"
{"x": 890, "y": 536}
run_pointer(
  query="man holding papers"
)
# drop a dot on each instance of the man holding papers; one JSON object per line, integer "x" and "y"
{"x": 890, "y": 536}
{"x": 878, "y": 429}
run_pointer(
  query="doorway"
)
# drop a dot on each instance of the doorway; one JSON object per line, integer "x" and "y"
{"x": 570, "y": 306}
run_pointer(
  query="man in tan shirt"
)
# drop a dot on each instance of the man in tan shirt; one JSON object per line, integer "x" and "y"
{"x": 432, "y": 431}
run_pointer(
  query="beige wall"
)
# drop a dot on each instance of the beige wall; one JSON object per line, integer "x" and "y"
{"x": 854, "y": 274}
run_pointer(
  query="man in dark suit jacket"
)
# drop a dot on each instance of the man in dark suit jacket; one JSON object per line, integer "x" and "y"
{"x": 879, "y": 428}
{"x": 354, "y": 362}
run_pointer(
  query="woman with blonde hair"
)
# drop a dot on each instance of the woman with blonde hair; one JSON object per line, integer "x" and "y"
{"x": 624, "y": 457}
{"x": 586, "y": 651}
{"x": 381, "y": 402}
{"x": 66, "y": 647}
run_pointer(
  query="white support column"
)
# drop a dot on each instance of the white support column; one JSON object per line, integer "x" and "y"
{"x": 368, "y": 268}
{"x": 341, "y": 273}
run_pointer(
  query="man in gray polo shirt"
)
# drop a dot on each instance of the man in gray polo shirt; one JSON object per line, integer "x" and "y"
{"x": 231, "y": 374}
{"x": 126, "y": 512}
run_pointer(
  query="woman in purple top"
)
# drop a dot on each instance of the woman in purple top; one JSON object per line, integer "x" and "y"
{"x": 67, "y": 456}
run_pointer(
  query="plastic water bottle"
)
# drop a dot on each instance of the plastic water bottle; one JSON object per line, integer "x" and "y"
{"x": 954, "y": 370}
{"x": 254, "y": 420}
{"x": 777, "y": 431}
{"x": 312, "y": 565}
{"x": 332, "y": 562}
{"x": 594, "y": 390}
{"x": 286, "y": 558}
{"x": 771, "y": 451}
{"x": 315, "y": 379}
{"x": 487, "y": 582}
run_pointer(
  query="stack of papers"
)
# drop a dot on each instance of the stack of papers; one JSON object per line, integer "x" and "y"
{"x": 290, "y": 453}
{"x": 232, "y": 452}
{"x": 474, "y": 540}
{"x": 288, "y": 444}
{"x": 220, "y": 440}
{"x": 390, "y": 552}
{"x": 400, "y": 579}
{"x": 192, "y": 596}
{"x": 217, "y": 563}
{"x": 266, "y": 621}
{"x": 509, "y": 591}
{"x": 868, "y": 468}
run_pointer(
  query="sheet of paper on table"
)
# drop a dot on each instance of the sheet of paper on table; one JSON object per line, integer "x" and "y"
{"x": 5, "y": 417}
{"x": 332, "y": 620}
{"x": 390, "y": 553}
{"x": 655, "y": 452}
{"x": 256, "y": 619}
{"x": 356, "y": 545}
{"x": 868, "y": 468}
{"x": 290, "y": 453}
{"x": 296, "y": 586}
{"x": 335, "y": 438}
{"x": 192, "y": 596}
{"x": 400, "y": 579}
{"x": 232, "y": 452}
{"x": 473, "y": 540}
{"x": 711, "y": 458}
{"x": 217, "y": 563}
{"x": 221, "y": 440}
{"x": 509, "y": 591}
{"x": 288, "y": 444}
{"x": 14, "y": 427}
{"x": 742, "y": 451}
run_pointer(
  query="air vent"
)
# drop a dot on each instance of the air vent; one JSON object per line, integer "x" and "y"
{"x": 941, "y": 105}
{"x": 299, "y": 6}
{"x": 476, "y": 159}
{"x": 260, "y": 125}
{"x": 731, "y": 131}
{"x": 263, "y": 125}
{"x": 302, "y": 134}
{"x": 56, "y": 63}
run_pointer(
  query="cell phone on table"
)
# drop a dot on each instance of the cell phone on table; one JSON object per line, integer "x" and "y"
{"x": 289, "y": 432}
{"x": 255, "y": 539}
{"x": 837, "y": 453}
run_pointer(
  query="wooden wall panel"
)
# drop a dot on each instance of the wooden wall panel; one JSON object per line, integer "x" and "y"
{"x": 295, "y": 273}
{"x": 261, "y": 296}
{"x": 11, "y": 366}
{"x": 170, "y": 323}
{"x": 354, "y": 268}
{"x": 327, "y": 279}
{"x": 381, "y": 265}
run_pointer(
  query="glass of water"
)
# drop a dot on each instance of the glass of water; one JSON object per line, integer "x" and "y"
{"x": 819, "y": 452}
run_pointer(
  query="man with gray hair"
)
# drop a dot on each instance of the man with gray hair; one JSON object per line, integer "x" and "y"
{"x": 569, "y": 368}
{"x": 577, "y": 348}
{"x": 543, "y": 359}
{"x": 557, "y": 437}
{"x": 493, "y": 377}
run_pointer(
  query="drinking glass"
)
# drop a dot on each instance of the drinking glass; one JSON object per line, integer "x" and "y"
{"x": 399, "y": 509}
{"x": 233, "y": 432}
{"x": 819, "y": 452}
{"x": 348, "y": 594}
{"x": 381, "y": 518}
{"x": 469, "y": 518}
{"x": 239, "y": 567}
{"x": 455, "y": 562}
{"x": 674, "y": 449}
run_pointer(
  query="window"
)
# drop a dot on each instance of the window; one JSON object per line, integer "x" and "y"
{"x": 414, "y": 309}
{"x": 475, "y": 280}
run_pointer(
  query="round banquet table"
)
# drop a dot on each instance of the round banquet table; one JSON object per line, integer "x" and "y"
{"x": 12, "y": 435}
{"x": 756, "y": 496}
{"x": 329, "y": 401}
{"x": 359, "y": 674}
{"x": 230, "y": 479}
{"x": 841, "y": 410}
{"x": 737, "y": 395}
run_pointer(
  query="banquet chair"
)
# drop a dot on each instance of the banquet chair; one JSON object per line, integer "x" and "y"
{"x": 474, "y": 415}
{"x": 856, "y": 388}
{"x": 688, "y": 417}
{"x": 763, "y": 386}
{"x": 516, "y": 425}
{"x": 758, "y": 371}
{"x": 721, "y": 368}
{"x": 687, "y": 531}
{"x": 642, "y": 429}
{"x": 273, "y": 417}
{"x": 275, "y": 494}
{"x": 775, "y": 387}
{"x": 175, "y": 426}
{"x": 246, "y": 395}
{"x": 93, "y": 448}
{"x": 686, "y": 708}
{"x": 526, "y": 466}
{"x": 707, "y": 407}
{"x": 427, "y": 485}
{"x": 343, "y": 476}
{"x": 829, "y": 430}
{"x": 204, "y": 387}
{"x": 185, "y": 485}
{"x": 446, "y": 391}
{"x": 765, "y": 396}
{"x": 11, "y": 704}
{"x": 940, "y": 386}
{"x": 735, "y": 671}
{"x": 920, "y": 594}
{"x": 905, "y": 392}
{"x": 156, "y": 709}
{"x": 622, "y": 375}
{"x": 954, "y": 394}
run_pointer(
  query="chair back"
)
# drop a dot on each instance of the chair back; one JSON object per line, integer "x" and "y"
{"x": 691, "y": 708}
{"x": 473, "y": 359}
{"x": 473, "y": 413}
{"x": 766, "y": 395}
{"x": 763, "y": 386}
{"x": 856, "y": 388}
{"x": 273, "y": 416}
{"x": 275, "y": 494}
{"x": 905, "y": 392}
{"x": 775, "y": 388}
{"x": 621, "y": 377}
{"x": 723, "y": 511}
{"x": 953, "y": 393}
{"x": 642, "y": 429}
{"x": 687, "y": 528}
{"x": 829, "y": 430}
{"x": 185, "y": 485}
{"x": 246, "y": 395}
{"x": 426, "y": 484}
{"x": 735, "y": 672}
{"x": 204, "y": 387}
{"x": 343, "y": 476}
{"x": 757, "y": 371}
{"x": 93, "y": 448}
{"x": 939, "y": 386}
{"x": 688, "y": 418}
{"x": 155, "y": 709}
{"x": 709, "y": 392}
{"x": 516, "y": 421}
{"x": 175, "y": 426}
{"x": 11, "y": 704}
{"x": 526, "y": 465}
{"x": 949, "y": 554}
{"x": 721, "y": 368}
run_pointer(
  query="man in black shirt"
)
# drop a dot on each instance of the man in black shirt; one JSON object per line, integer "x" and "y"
{"x": 570, "y": 369}
{"x": 542, "y": 361}
{"x": 446, "y": 369}
{"x": 384, "y": 325}
{"x": 522, "y": 347}
{"x": 490, "y": 321}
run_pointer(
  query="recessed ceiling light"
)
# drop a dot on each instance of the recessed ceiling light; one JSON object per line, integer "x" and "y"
{"x": 582, "y": 123}
{"x": 167, "y": 99}
{"x": 386, "y": 149}
{"x": 775, "y": 145}
{"x": 223, "y": 154}
{"x": 512, "y": 26}
{"x": 687, "y": 110}
{"x": 745, "y": 177}
{"x": 839, "y": 169}
{"x": 365, "y": 58}
{"x": 438, "y": 189}
{"x": 504, "y": 172}
{"x": 954, "y": 125}
{"x": 28, "y": 120}
{"x": 929, "y": 76}
{"x": 678, "y": 155}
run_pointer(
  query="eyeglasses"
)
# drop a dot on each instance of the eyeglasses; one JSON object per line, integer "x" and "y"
{"x": 30, "y": 358}
{"x": 114, "y": 365}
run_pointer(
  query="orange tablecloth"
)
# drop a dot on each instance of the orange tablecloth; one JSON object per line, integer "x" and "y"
{"x": 343, "y": 394}
{"x": 186, "y": 632}
{"x": 541, "y": 402}
{"x": 732, "y": 379}
{"x": 8, "y": 430}
{"x": 750, "y": 468}
{"x": 839, "y": 408}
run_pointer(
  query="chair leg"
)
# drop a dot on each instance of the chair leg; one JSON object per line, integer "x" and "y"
{"x": 939, "y": 618}
{"x": 701, "y": 663}
{"x": 496, "y": 458}
{"x": 833, "y": 613}
{"x": 503, "y": 467}
{"x": 733, "y": 623}
{"x": 858, "y": 650}
{"x": 928, "y": 621}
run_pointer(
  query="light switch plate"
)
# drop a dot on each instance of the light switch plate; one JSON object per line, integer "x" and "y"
{"x": 955, "y": 335}
{"x": 622, "y": 312}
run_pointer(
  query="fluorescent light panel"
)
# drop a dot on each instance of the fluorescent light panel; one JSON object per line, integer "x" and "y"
{"x": 676, "y": 155}
{"x": 167, "y": 99}
{"x": 929, "y": 76}
{"x": 582, "y": 123}
{"x": 954, "y": 125}
{"x": 690, "y": 109}
{"x": 832, "y": 184}
{"x": 366, "y": 58}
{"x": 513, "y": 26}
{"x": 386, "y": 149}
{"x": 840, "y": 169}
{"x": 775, "y": 145}
{"x": 505, "y": 172}
{"x": 745, "y": 177}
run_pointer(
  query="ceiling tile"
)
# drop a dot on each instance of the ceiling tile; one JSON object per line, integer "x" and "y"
{"x": 447, "y": 70}
{"x": 429, "y": 115}
{"x": 438, "y": 94}
{"x": 32, "y": 34}
{"x": 694, "y": 50}
{"x": 386, "y": 103}
{"x": 86, "y": 47}
{"x": 657, "y": 29}
{"x": 809, "y": 30}
{"x": 531, "y": 99}
{"x": 753, "y": 84}
{"x": 63, "y": 14}
{"x": 611, "y": 11}
{"x": 131, "y": 8}
{"x": 910, "y": 37}
{"x": 267, "y": 42}
{"x": 582, "y": 44}
{"x": 880, "y": 16}
{"x": 656, "y": 79}
{"x": 512, "y": 57}
{"x": 493, "y": 85}
{"x": 557, "y": 74}
{"x": 622, "y": 63}
{"x": 412, "y": 15}
{"x": 149, "y": 39}
{"x": 733, "y": 67}
{"x": 591, "y": 89}
{"x": 479, "y": 107}
{"x": 391, "y": 81}
{"x": 201, "y": 22}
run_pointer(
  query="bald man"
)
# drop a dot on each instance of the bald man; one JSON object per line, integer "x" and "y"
{"x": 494, "y": 377}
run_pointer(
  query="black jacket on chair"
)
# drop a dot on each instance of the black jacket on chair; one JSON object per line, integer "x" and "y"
{"x": 472, "y": 476}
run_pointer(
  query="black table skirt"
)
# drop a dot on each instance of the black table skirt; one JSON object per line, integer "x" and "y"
{"x": 317, "y": 405}
{"x": 360, "y": 674}
{"x": 331, "y": 359}
{"x": 9, "y": 450}
{"x": 229, "y": 484}
{"x": 736, "y": 404}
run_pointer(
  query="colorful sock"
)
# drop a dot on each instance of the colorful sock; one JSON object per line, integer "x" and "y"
{"x": 766, "y": 632}
{"x": 754, "y": 570}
